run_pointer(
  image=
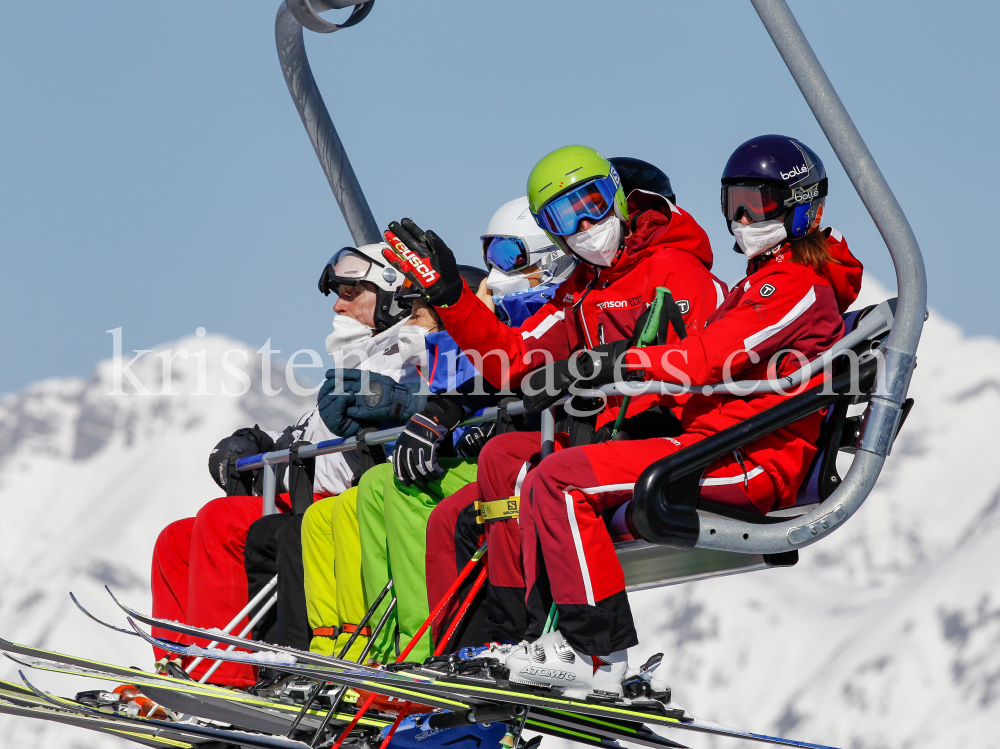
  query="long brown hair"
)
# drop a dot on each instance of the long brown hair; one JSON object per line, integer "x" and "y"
{"x": 812, "y": 249}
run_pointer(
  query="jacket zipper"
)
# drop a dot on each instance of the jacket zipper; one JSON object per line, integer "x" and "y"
{"x": 578, "y": 308}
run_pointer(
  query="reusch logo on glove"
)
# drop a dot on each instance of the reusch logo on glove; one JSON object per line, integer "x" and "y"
{"x": 411, "y": 261}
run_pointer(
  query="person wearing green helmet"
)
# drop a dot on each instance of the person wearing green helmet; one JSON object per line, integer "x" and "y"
{"x": 627, "y": 245}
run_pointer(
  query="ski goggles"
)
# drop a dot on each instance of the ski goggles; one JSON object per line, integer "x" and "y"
{"x": 347, "y": 267}
{"x": 592, "y": 200}
{"x": 506, "y": 253}
{"x": 765, "y": 201}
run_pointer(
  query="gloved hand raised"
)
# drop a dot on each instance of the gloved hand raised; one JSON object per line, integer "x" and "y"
{"x": 585, "y": 369}
{"x": 416, "y": 455}
{"x": 387, "y": 400}
{"x": 426, "y": 260}
{"x": 241, "y": 444}
{"x": 333, "y": 402}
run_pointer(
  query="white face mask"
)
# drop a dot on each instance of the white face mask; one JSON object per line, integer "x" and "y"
{"x": 759, "y": 237}
{"x": 412, "y": 347}
{"x": 599, "y": 244}
{"x": 502, "y": 284}
{"x": 346, "y": 331}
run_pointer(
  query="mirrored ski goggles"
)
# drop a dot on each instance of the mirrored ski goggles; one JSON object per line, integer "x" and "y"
{"x": 762, "y": 202}
{"x": 757, "y": 202}
{"x": 347, "y": 266}
{"x": 592, "y": 200}
{"x": 505, "y": 253}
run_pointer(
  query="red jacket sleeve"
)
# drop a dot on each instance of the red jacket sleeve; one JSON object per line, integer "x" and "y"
{"x": 504, "y": 355}
{"x": 788, "y": 309}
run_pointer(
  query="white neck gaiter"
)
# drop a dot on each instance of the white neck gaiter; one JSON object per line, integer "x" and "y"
{"x": 346, "y": 332}
{"x": 759, "y": 237}
{"x": 599, "y": 244}
{"x": 412, "y": 347}
{"x": 502, "y": 284}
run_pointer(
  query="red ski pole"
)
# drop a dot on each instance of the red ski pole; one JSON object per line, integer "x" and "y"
{"x": 466, "y": 605}
{"x": 470, "y": 565}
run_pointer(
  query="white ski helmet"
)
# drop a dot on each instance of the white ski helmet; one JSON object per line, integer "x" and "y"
{"x": 351, "y": 265}
{"x": 513, "y": 242}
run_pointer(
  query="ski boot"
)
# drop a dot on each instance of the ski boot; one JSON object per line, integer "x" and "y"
{"x": 552, "y": 662}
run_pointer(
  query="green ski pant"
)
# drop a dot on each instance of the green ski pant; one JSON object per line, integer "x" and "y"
{"x": 393, "y": 522}
{"x": 331, "y": 561}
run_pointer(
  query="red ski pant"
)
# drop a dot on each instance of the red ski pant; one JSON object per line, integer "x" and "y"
{"x": 566, "y": 553}
{"x": 198, "y": 577}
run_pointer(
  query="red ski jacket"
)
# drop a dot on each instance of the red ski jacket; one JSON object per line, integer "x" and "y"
{"x": 667, "y": 248}
{"x": 782, "y": 306}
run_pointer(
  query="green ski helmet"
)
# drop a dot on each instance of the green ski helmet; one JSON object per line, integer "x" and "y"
{"x": 564, "y": 171}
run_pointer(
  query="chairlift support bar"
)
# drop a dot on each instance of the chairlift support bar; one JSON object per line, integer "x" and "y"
{"x": 312, "y": 109}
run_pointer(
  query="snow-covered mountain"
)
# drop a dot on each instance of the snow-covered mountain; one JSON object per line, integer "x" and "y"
{"x": 87, "y": 481}
{"x": 886, "y": 635}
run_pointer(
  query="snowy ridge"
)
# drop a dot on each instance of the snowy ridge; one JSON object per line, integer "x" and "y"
{"x": 87, "y": 481}
{"x": 885, "y": 636}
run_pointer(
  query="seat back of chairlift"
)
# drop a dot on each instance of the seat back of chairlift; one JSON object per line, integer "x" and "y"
{"x": 725, "y": 545}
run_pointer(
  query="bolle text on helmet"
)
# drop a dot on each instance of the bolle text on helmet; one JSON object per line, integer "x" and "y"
{"x": 803, "y": 195}
{"x": 797, "y": 171}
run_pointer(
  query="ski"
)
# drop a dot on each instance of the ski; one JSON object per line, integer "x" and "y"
{"x": 430, "y": 682}
{"x": 242, "y": 738}
{"x": 145, "y": 736}
{"x": 211, "y": 703}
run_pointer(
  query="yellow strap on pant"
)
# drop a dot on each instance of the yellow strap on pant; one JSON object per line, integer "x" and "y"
{"x": 498, "y": 509}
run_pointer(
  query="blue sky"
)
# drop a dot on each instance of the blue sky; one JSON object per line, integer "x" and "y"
{"x": 155, "y": 175}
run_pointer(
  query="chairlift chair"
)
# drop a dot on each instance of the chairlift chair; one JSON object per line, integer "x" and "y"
{"x": 684, "y": 539}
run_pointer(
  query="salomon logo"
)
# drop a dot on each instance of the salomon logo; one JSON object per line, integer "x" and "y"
{"x": 548, "y": 673}
{"x": 684, "y": 306}
{"x": 766, "y": 290}
{"x": 795, "y": 172}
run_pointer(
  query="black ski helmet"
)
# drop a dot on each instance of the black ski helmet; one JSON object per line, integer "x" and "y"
{"x": 771, "y": 176}
{"x": 637, "y": 174}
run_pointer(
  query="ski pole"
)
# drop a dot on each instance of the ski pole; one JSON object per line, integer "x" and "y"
{"x": 256, "y": 618}
{"x": 552, "y": 620}
{"x": 237, "y": 619}
{"x": 459, "y": 615}
{"x": 343, "y": 690}
{"x": 343, "y": 652}
{"x": 646, "y": 337}
{"x": 466, "y": 605}
{"x": 469, "y": 566}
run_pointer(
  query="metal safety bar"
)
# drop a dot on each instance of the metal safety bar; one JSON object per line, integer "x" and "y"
{"x": 875, "y": 323}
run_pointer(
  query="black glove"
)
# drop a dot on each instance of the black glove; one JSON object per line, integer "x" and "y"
{"x": 241, "y": 444}
{"x": 654, "y": 422}
{"x": 592, "y": 367}
{"x": 474, "y": 439}
{"x": 426, "y": 260}
{"x": 333, "y": 406}
{"x": 416, "y": 454}
{"x": 387, "y": 400}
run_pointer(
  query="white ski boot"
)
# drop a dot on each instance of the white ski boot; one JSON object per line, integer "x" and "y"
{"x": 550, "y": 661}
